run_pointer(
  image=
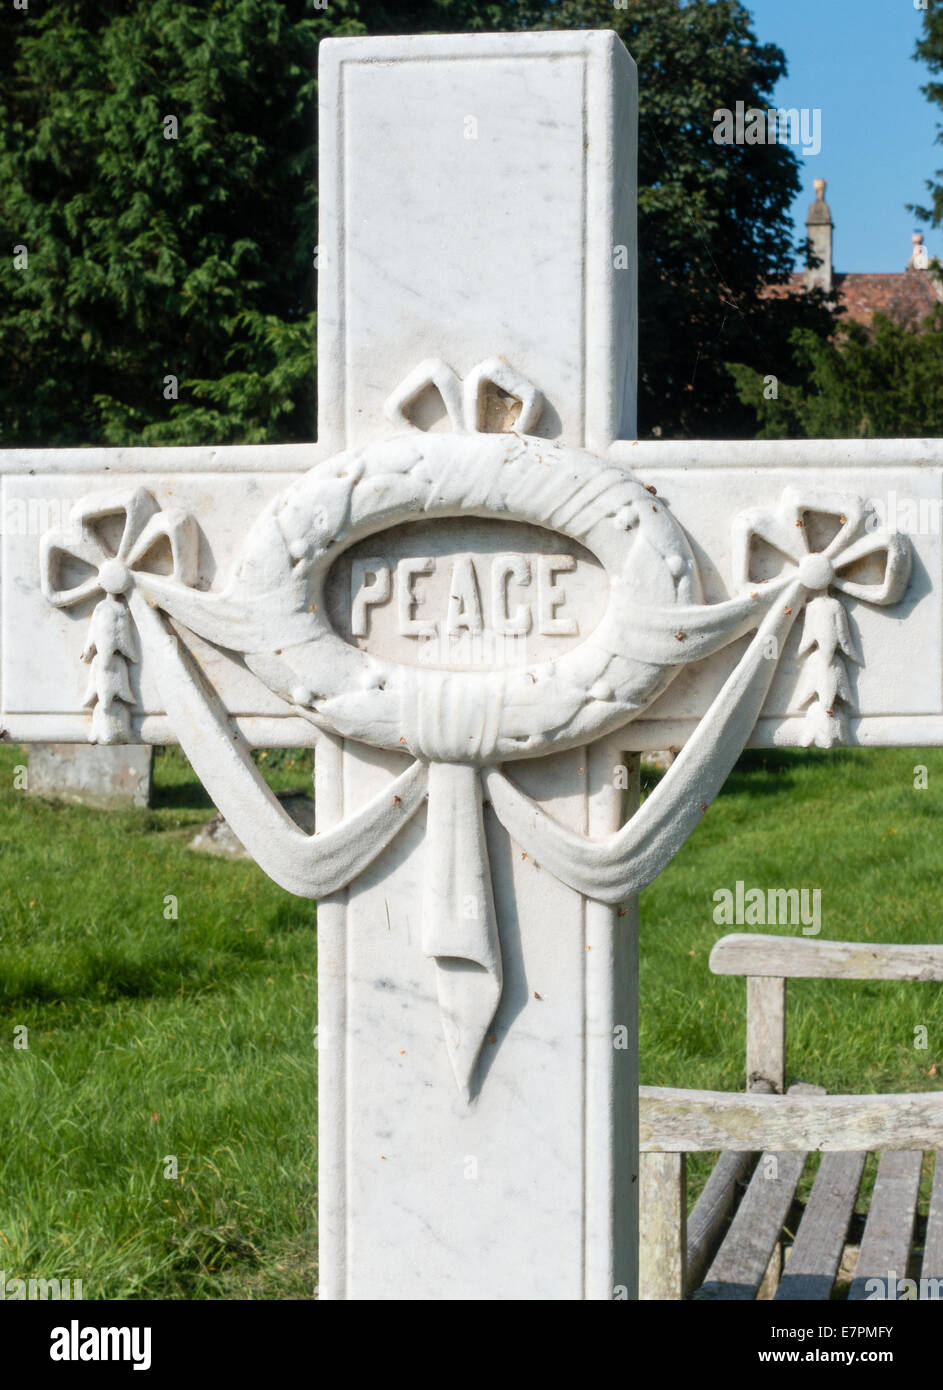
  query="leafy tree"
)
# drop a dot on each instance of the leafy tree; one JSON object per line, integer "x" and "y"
{"x": 191, "y": 258}
{"x": 930, "y": 50}
{"x": 152, "y": 257}
{"x": 714, "y": 220}
{"x": 883, "y": 384}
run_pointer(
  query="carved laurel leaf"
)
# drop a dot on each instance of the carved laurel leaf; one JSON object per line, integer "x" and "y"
{"x": 843, "y": 634}
{"x": 825, "y": 679}
{"x": 111, "y": 725}
{"x": 556, "y": 700}
{"x": 110, "y": 630}
{"x": 109, "y": 680}
{"x": 826, "y": 627}
{"x": 824, "y": 727}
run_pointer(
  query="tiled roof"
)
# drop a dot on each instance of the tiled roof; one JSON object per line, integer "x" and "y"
{"x": 906, "y": 296}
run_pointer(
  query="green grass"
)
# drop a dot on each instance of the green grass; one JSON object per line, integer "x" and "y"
{"x": 193, "y": 1037}
{"x": 151, "y": 1037}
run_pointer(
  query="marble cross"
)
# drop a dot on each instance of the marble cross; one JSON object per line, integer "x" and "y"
{"x": 472, "y": 595}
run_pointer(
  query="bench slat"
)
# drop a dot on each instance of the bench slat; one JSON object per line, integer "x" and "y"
{"x": 742, "y": 1260}
{"x": 932, "y": 1267}
{"x": 708, "y": 1219}
{"x": 794, "y": 957}
{"x": 888, "y": 1231}
{"x": 816, "y": 1253}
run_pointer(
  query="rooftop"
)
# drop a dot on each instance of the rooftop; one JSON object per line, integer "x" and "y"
{"x": 906, "y": 296}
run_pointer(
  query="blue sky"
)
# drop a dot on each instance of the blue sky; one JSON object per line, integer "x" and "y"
{"x": 852, "y": 59}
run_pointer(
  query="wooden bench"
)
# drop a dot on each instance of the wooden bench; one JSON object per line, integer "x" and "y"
{"x": 732, "y": 1250}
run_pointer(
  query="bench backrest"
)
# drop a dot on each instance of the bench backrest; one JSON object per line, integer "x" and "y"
{"x": 769, "y": 961}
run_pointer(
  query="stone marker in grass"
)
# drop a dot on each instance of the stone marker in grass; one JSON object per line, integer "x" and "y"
{"x": 107, "y": 777}
{"x": 472, "y": 595}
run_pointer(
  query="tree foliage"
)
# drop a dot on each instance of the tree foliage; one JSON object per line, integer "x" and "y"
{"x": 149, "y": 256}
{"x": 930, "y": 50}
{"x": 192, "y": 258}
{"x": 714, "y": 220}
{"x": 882, "y": 384}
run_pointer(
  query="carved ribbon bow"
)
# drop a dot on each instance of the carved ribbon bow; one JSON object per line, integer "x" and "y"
{"x": 826, "y": 639}
{"x": 140, "y": 526}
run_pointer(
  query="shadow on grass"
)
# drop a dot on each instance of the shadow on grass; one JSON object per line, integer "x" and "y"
{"x": 106, "y": 979}
{"x": 189, "y": 796}
{"x": 294, "y": 914}
{"x": 764, "y": 771}
{"x": 107, "y": 984}
{"x": 180, "y": 796}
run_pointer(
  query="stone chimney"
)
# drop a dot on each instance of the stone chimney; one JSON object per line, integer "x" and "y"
{"x": 920, "y": 257}
{"x": 819, "y": 227}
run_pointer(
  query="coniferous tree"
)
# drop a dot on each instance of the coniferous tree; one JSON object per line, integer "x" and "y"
{"x": 168, "y": 290}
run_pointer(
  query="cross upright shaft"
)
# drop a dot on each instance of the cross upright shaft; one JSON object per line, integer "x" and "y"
{"x": 478, "y": 202}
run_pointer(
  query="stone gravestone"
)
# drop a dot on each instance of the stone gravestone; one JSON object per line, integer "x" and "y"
{"x": 103, "y": 776}
{"x": 472, "y": 594}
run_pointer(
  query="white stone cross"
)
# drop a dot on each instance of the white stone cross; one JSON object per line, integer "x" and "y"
{"x": 472, "y": 595}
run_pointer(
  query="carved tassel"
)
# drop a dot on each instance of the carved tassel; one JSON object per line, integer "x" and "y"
{"x": 111, "y": 645}
{"x": 824, "y": 679}
{"x": 459, "y": 925}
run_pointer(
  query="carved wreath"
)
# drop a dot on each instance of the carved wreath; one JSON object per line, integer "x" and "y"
{"x": 462, "y": 728}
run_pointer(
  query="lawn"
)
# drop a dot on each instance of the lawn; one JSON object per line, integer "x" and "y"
{"x": 149, "y": 1038}
{"x": 154, "y": 1037}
